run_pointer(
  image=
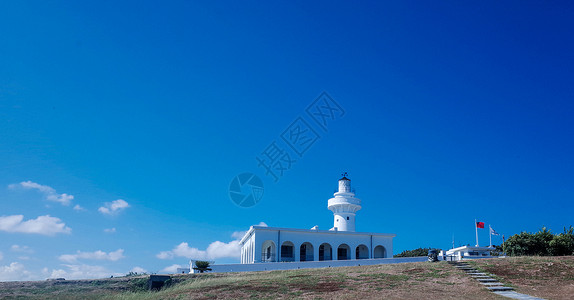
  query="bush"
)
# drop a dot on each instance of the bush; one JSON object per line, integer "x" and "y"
{"x": 138, "y": 284}
{"x": 413, "y": 253}
{"x": 563, "y": 244}
{"x": 542, "y": 243}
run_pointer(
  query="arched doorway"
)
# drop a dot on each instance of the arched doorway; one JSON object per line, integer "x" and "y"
{"x": 306, "y": 252}
{"x": 380, "y": 252}
{"x": 287, "y": 253}
{"x": 362, "y": 252}
{"x": 343, "y": 252}
{"x": 325, "y": 252}
{"x": 268, "y": 251}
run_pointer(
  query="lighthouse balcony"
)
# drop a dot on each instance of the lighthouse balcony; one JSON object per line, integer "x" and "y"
{"x": 344, "y": 200}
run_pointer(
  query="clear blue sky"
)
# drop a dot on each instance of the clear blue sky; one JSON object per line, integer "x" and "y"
{"x": 453, "y": 111}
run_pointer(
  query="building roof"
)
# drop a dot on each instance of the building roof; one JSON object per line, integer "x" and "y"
{"x": 470, "y": 248}
{"x": 266, "y": 228}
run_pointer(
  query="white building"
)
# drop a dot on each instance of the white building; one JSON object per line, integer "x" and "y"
{"x": 263, "y": 244}
{"x": 467, "y": 252}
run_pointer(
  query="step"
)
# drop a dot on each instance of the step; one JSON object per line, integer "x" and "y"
{"x": 486, "y": 279}
{"x": 499, "y": 288}
{"x": 491, "y": 283}
{"x": 481, "y": 277}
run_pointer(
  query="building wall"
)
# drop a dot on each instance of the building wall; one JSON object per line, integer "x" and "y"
{"x": 248, "y": 250}
{"x": 253, "y": 250}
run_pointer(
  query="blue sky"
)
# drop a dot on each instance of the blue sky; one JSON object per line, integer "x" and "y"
{"x": 123, "y": 124}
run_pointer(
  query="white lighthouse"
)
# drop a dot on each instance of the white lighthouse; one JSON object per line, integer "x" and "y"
{"x": 344, "y": 206}
{"x": 266, "y": 248}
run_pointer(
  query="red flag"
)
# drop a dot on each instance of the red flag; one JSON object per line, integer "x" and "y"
{"x": 479, "y": 224}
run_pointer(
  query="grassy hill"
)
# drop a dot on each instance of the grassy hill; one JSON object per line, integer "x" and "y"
{"x": 400, "y": 281}
{"x": 541, "y": 276}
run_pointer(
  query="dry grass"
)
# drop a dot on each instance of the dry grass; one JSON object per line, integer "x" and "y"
{"x": 398, "y": 281}
{"x": 545, "y": 277}
{"x": 402, "y": 281}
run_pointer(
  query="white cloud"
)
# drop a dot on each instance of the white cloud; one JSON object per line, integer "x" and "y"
{"x": 114, "y": 207}
{"x": 171, "y": 269}
{"x": 110, "y": 230}
{"x": 219, "y": 249}
{"x": 14, "y": 272}
{"x": 45, "y": 225}
{"x": 83, "y": 272}
{"x": 48, "y": 192}
{"x": 18, "y": 272}
{"x": 238, "y": 234}
{"x": 138, "y": 270}
{"x": 77, "y": 207}
{"x": 22, "y": 249}
{"x": 165, "y": 254}
{"x": 96, "y": 255}
{"x": 183, "y": 250}
{"x": 214, "y": 251}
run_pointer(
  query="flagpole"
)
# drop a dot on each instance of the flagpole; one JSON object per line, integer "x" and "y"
{"x": 490, "y": 234}
{"x": 476, "y": 229}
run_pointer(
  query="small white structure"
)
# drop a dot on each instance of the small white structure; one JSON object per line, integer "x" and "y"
{"x": 263, "y": 244}
{"x": 192, "y": 266}
{"x": 467, "y": 252}
{"x": 183, "y": 271}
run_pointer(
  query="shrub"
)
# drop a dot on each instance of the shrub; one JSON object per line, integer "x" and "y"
{"x": 138, "y": 284}
{"x": 563, "y": 244}
{"x": 542, "y": 243}
{"x": 413, "y": 253}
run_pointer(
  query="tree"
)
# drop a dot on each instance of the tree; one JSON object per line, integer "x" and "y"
{"x": 202, "y": 266}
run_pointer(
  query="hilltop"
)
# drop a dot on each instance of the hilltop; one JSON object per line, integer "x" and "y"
{"x": 551, "y": 278}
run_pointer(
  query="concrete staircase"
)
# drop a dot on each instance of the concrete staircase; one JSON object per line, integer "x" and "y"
{"x": 491, "y": 283}
{"x": 483, "y": 278}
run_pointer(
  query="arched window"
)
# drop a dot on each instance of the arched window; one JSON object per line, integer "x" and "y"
{"x": 362, "y": 252}
{"x": 306, "y": 252}
{"x": 343, "y": 252}
{"x": 287, "y": 252}
{"x": 325, "y": 252}
{"x": 268, "y": 251}
{"x": 380, "y": 252}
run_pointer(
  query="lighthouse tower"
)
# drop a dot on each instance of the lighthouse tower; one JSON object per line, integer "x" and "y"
{"x": 344, "y": 206}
